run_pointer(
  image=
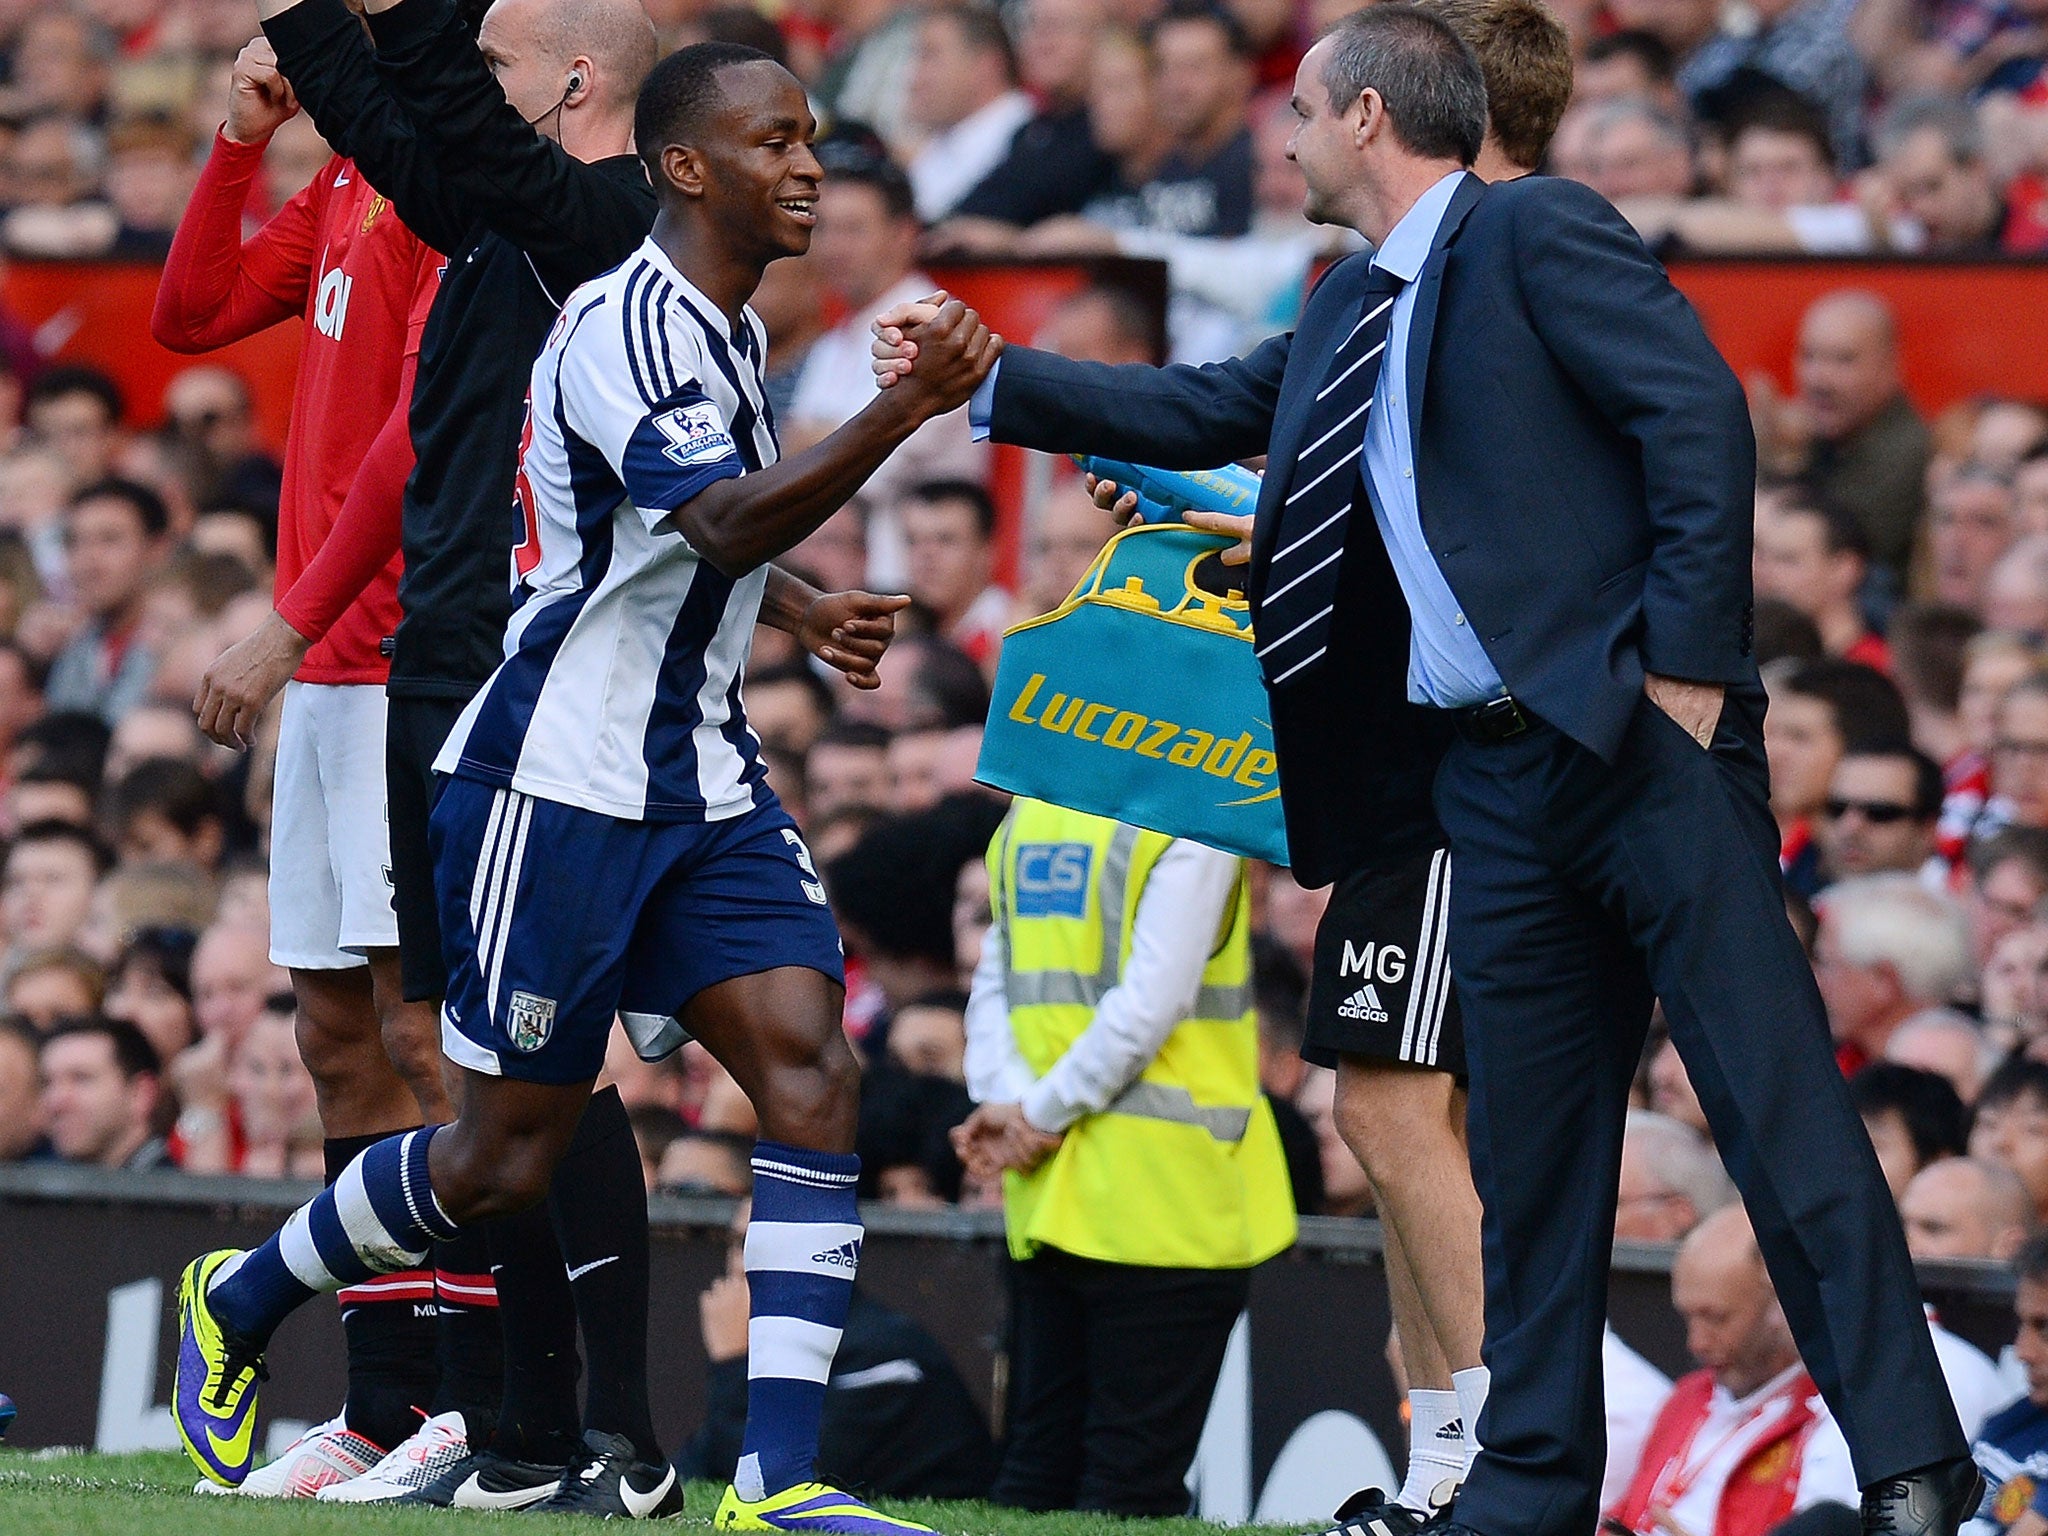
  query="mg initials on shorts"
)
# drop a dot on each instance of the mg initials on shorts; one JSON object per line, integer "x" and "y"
{"x": 1382, "y": 984}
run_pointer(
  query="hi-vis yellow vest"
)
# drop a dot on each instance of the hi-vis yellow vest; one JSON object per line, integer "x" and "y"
{"x": 1184, "y": 1169}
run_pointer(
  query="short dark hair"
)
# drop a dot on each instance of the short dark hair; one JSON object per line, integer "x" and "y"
{"x": 1433, "y": 87}
{"x": 148, "y": 507}
{"x": 747, "y": 27}
{"x": 1867, "y": 709}
{"x": 54, "y": 831}
{"x": 1782, "y": 110}
{"x": 1525, "y": 55}
{"x": 1841, "y": 533}
{"x": 799, "y": 673}
{"x": 66, "y": 744}
{"x": 1928, "y": 787}
{"x": 76, "y": 379}
{"x": 2021, "y": 1077}
{"x": 1930, "y": 643}
{"x": 165, "y": 950}
{"x": 1205, "y": 13}
{"x": 981, "y": 29}
{"x": 2031, "y": 1262}
{"x": 15, "y": 1027}
{"x": 169, "y": 786}
{"x": 1646, "y": 48}
{"x": 680, "y": 93}
{"x": 1279, "y": 990}
{"x": 864, "y": 735}
{"x": 1130, "y": 317}
{"x": 853, "y": 157}
{"x": 133, "y": 1053}
{"x": 895, "y": 886}
{"x": 1782, "y": 632}
{"x": 932, "y": 492}
{"x": 1926, "y": 1103}
{"x": 948, "y": 689}
{"x": 2026, "y": 845}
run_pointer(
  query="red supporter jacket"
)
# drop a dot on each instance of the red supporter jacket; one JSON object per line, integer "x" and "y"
{"x": 1763, "y": 1487}
{"x": 337, "y": 255}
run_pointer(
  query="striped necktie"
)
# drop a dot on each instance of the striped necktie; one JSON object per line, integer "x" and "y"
{"x": 1301, "y": 578}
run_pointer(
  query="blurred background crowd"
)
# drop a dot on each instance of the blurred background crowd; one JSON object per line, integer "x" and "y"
{"x": 1902, "y": 563}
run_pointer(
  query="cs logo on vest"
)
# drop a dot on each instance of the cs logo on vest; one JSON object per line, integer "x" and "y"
{"x": 1233, "y": 758}
{"x": 1052, "y": 879}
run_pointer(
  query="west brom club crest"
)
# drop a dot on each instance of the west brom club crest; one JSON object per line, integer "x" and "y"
{"x": 531, "y": 1021}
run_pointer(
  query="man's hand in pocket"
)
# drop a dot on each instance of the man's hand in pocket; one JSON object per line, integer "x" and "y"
{"x": 1695, "y": 706}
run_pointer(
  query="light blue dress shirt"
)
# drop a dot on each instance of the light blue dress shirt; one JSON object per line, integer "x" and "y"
{"x": 1447, "y": 666}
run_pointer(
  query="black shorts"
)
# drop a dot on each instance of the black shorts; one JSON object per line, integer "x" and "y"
{"x": 415, "y": 730}
{"x": 1382, "y": 984}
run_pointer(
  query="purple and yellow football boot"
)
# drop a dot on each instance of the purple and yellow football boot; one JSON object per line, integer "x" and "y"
{"x": 214, "y": 1399}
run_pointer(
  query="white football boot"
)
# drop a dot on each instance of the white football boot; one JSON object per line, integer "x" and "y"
{"x": 431, "y": 1450}
{"x": 323, "y": 1456}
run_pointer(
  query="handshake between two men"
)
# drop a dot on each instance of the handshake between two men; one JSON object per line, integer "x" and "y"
{"x": 900, "y": 335}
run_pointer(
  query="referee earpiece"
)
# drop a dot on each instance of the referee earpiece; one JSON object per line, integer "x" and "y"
{"x": 575, "y": 84}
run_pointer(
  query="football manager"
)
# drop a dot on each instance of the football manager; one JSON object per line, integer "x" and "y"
{"x": 1503, "y": 548}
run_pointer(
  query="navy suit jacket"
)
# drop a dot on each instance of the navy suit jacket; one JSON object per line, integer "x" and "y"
{"x": 1585, "y": 470}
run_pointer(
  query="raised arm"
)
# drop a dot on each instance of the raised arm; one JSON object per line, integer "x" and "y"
{"x": 574, "y": 219}
{"x": 322, "y": 51}
{"x": 1613, "y": 321}
{"x": 216, "y": 287}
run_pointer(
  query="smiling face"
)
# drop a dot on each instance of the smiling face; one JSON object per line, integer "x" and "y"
{"x": 751, "y": 170}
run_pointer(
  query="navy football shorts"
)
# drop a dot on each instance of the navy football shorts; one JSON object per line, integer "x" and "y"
{"x": 556, "y": 919}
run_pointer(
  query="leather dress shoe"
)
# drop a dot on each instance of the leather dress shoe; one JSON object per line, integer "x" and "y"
{"x": 1933, "y": 1501}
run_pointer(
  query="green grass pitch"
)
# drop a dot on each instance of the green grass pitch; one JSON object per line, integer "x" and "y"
{"x": 151, "y": 1494}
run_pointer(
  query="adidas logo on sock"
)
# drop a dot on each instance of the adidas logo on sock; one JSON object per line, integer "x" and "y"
{"x": 1363, "y": 1004}
{"x": 845, "y": 1256}
{"x": 1455, "y": 1430}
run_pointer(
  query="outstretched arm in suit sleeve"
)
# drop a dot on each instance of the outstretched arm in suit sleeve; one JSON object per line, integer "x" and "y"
{"x": 1175, "y": 418}
{"x": 1178, "y": 417}
{"x": 1613, "y": 321}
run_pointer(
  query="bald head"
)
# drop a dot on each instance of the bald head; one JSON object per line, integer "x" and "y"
{"x": 1856, "y": 314}
{"x": 1848, "y": 363}
{"x": 1966, "y": 1208}
{"x": 1733, "y": 1324}
{"x": 1724, "y": 1244}
{"x": 572, "y": 68}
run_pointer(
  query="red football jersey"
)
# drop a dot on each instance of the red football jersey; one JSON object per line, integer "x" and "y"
{"x": 338, "y": 255}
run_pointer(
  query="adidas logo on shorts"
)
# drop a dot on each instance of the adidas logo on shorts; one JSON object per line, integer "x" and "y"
{"x": 1363, "y": 1004}
{"x": 845, "y": 1256}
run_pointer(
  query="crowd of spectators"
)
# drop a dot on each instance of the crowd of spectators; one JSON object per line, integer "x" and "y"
{"x": 1901, "y": 566}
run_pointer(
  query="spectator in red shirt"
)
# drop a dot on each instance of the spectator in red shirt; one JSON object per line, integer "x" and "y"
{"x": 1816, "y": 559}
{"x": 113, "y": 544}
{"x": 948, "y": 535}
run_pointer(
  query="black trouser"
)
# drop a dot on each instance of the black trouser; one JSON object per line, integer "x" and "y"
{"x": 1111, "y": 1370}
{"x": 1582, "y": 889}
{"x": 414, "y": 731}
